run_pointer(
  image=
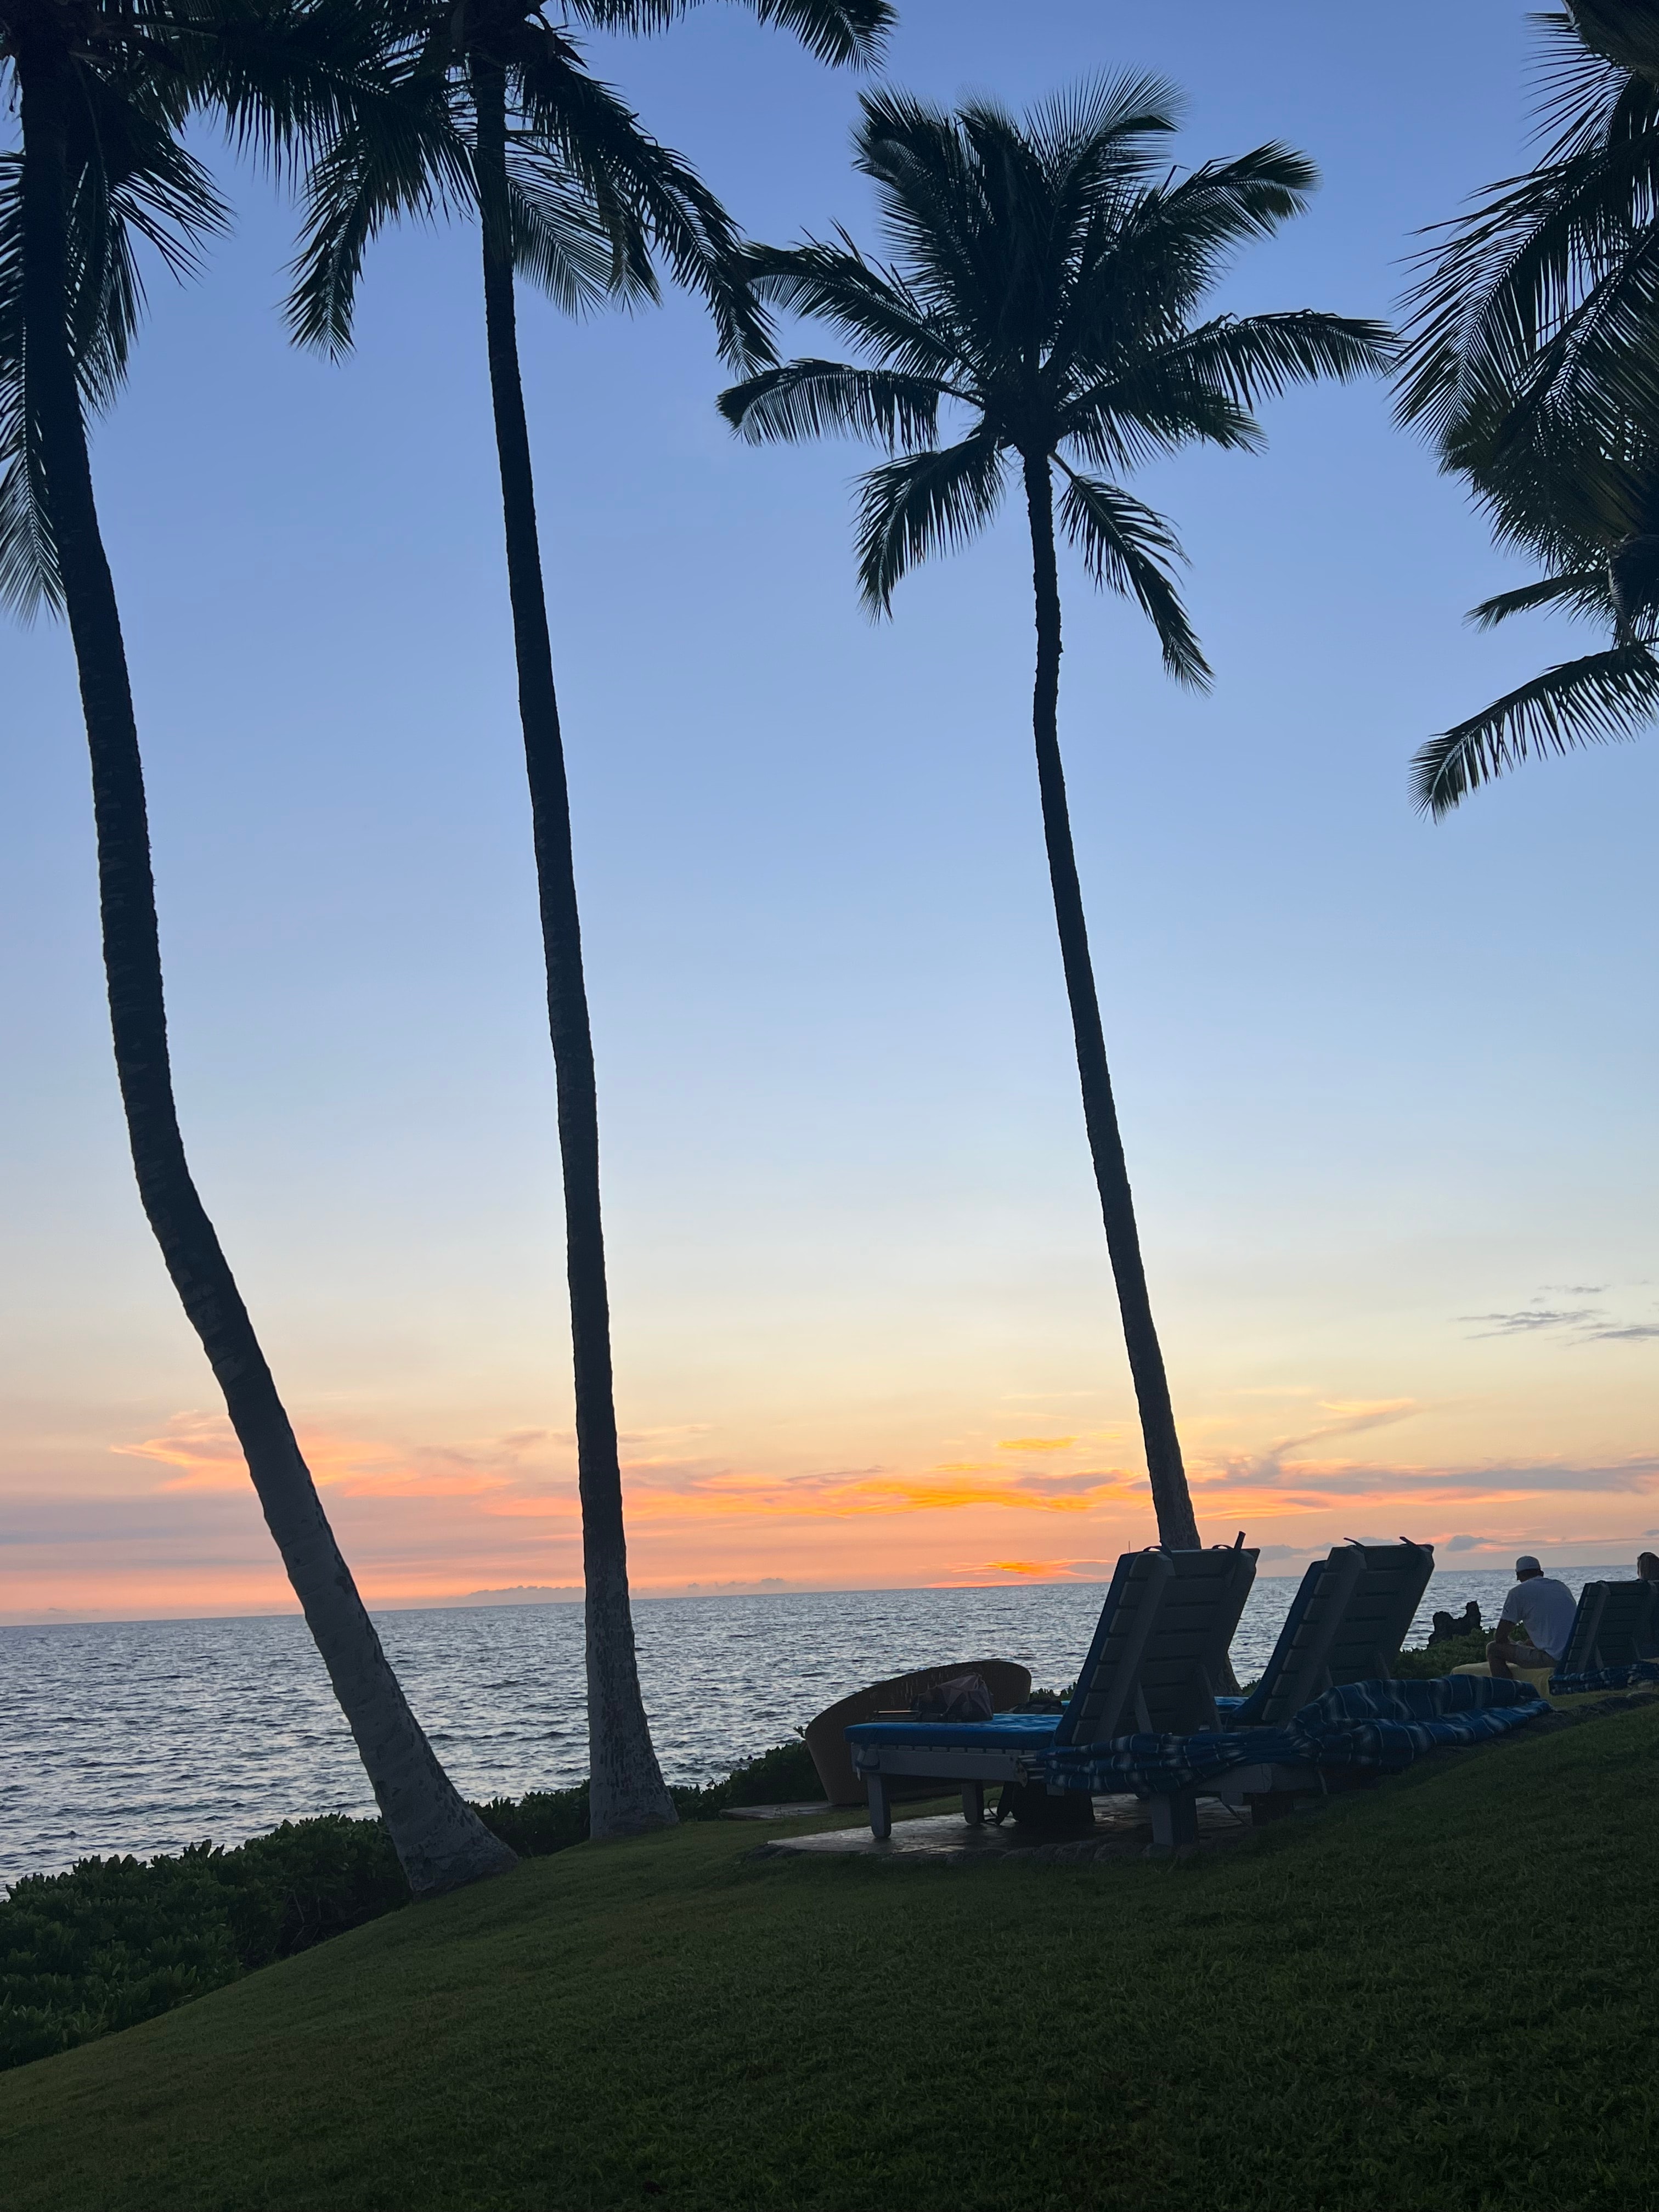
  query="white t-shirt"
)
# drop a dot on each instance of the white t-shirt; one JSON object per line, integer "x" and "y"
{"x": 1547, "y": 1608}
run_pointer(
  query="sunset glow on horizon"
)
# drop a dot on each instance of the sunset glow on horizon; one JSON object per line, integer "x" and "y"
{"x": 1387, "y": 1089}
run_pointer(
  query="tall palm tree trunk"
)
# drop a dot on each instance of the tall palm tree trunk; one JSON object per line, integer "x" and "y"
{"x": 439, "y": 1839}
{"x": 1176, "y": 1525}
{"x": 626, "y": 1791}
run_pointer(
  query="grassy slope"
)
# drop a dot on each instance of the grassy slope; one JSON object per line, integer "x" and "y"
{"x": 1315, "y": 2019}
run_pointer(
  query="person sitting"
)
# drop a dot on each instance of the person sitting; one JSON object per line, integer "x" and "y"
{"x": 1545, "y": 1608}
{"x": 1647, "y": 1566}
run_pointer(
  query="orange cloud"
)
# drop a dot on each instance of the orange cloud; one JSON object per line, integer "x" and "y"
{"x": 1036, "y": 1443}
{"x": 203, "y": 1447}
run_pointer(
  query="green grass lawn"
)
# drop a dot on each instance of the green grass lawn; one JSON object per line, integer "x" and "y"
{"x": 1319, "y": 2017}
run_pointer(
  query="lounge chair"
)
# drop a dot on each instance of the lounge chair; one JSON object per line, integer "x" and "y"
{"x": 1352, "y": 1734}
{"x": 1616, "y": 1624}
{"x": 1615, "y": 1630}
{"x": 1159, "y": 1648}
{"x": 1346, "y": 1624}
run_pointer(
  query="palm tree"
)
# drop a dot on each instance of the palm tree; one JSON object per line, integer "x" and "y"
{"x": 502, "y": 116}
{"x": 1530, "y": 363}
{"x": 1045, "y": 285}
{"x": 1535, "y": 317}
{"x": 1593, "y": 517}
{"x": 103, "y": 92}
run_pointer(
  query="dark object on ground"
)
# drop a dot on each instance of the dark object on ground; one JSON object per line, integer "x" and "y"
{"x": 1030, "y": 1806}
{"x": 1448, "y": 1629}
{"x": 827, "y": 1742}
{"x": 963, "y": 1698}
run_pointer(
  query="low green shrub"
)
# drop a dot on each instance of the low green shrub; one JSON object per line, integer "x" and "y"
{"x": 1435, "y": 1659}
{"x": 783, "y": 1776}
{"x": 541, "y": 1822}
{"x": 116, "y": 1940}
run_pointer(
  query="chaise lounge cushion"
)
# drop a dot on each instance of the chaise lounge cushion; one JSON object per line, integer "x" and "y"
{"x": 1025, "y": 1733}
{"x": 1373, "y": 1727}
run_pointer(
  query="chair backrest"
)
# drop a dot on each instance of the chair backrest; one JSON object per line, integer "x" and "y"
{"x": 1346, "y": 1624}
{"x": 1615, "y": 1624}
{"x": 1159, "y": 1645}
{"x": 1380, "y": 1611}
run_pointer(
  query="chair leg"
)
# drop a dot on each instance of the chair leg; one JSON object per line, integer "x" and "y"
{"x": 881, "y": 1810}
{"x": 1175, "y": 1825}
{"x": 973, "y": 1804}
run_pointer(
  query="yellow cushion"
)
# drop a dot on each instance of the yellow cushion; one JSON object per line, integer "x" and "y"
{"x": 1538, "y": 1676}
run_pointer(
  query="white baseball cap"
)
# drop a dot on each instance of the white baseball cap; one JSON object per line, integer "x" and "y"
{"x": 1526, "y": 1565}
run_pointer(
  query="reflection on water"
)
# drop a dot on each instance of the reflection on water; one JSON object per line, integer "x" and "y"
{"x": 146, "y": 1735}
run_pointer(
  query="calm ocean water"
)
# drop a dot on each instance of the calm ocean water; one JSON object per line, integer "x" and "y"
{"x": 145, "y": 1736}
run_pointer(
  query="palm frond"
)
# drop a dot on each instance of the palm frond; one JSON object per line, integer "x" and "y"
{"x": 1251, "y": 358}
{"x": 839, "y": 31}
{"x": 362, "y": 180}
{"x": 1586, "y": 591}
{"x": 1105, "y": 127}
{"x": 1498, "y": 286}
{"x": 132, "y": 189}
{"x": 1603, "y": 698}
{"x": 600, "y": 142}
{"x": 925, "y": 503}
{"x": 1155, "y": 409}
{"x": 580, "y": 253}
{"x": 818, "y": 398}
{"x": 871, "y": 305}
{"x": 1127, "y": 548}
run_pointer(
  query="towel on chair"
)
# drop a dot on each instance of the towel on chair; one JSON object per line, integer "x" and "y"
{"x": 1375, "y": 1727}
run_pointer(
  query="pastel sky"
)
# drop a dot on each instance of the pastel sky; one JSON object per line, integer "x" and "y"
{"x": 1388, "y": 1089}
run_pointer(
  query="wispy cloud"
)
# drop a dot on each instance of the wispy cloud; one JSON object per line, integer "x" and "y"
{"x": 1581, "y": 1324}
{"x": 1349, "y": 1417}
{"x": 204, "y": 1449}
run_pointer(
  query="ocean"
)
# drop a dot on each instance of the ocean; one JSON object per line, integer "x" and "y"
{"x": 144, "y": 1736}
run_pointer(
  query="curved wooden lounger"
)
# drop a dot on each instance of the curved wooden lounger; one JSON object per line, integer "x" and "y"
{"x": 826, "y": 1736}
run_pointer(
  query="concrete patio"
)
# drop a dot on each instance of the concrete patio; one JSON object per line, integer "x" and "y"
{"x": 1121, "y": 1831}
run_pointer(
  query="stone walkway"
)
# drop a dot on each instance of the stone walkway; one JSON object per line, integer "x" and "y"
{"x": 1121, "y": 1831}
{"x": 777, "y": 1812}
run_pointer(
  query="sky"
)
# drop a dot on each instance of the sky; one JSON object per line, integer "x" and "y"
{"x": 1387, "y": 1088}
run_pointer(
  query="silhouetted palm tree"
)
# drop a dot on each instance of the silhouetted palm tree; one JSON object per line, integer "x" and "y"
{"x": 1593, "y": 517}
{"x": 103, "y": 92}
{"x": 1537, "y": 317}
{"x": 501, "y": 115}
{"x": 1533, "y": 361}
{"x": 1044, "y": 284}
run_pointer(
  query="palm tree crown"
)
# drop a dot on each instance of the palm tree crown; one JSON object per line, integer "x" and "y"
{"x": 1044, "y": 290}
{"x": 1531, "y": 364}
{"x": 1045, "y": 284}
{"x": 280, "y": 74}
{"x": 590, "y": 201}
{"x": 1536, "y": 315}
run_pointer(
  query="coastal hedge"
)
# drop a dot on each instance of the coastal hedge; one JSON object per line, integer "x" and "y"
{"x": 115, "y": 1940}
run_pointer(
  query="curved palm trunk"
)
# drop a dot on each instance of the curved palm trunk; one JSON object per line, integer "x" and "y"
{"x": 626, "y": 1791}
{"x": 439, "y": 1839}
{"x": 1177, "y": 1526}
